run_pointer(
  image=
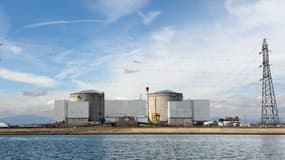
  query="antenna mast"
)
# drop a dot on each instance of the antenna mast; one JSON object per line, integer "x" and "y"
{"x": 269, "y": 112}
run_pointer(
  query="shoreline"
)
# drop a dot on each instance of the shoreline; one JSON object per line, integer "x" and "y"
{"x": 141, "y": 130}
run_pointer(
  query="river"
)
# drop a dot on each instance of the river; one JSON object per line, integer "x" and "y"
{"x": 142, "y": 147}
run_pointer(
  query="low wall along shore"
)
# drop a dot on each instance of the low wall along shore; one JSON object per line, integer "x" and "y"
{"x": 158, "y": 130}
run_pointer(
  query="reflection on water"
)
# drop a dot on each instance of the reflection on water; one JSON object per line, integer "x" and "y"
{"x": 142, "y": 147}
{"x": 273, "y": 147}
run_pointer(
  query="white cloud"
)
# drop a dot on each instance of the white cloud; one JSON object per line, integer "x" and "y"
{"x": 61, "y": 57}
{"x": 165, "y": 34}
{"x": 84, "y": 85}
{"x": 48, "y": 23}
{"x": 130, "y": 71}
{"x": 35, "y": 93}
{"x": 12, "y": 104}
{"x": 6, "y": 46}
{"x": 85, "y": 64}
{"x": 114, "y": 9}
{"x": 14, "y": 49}
{"x": 149, "y": 17}
{"x": 252, "y": 14}
{"x": 9, "y": 47}
{"x": 70, "y": 72}
{"x": 27, "y": 78}
{"x": 216, "y": 61}
{"x": 210, "y": 61}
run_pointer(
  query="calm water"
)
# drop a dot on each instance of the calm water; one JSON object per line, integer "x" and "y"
{"x": 143, "y": 147}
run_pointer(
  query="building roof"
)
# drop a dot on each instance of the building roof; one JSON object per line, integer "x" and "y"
{"x": 164, "y": 92}
{"x": 89, "y": 92}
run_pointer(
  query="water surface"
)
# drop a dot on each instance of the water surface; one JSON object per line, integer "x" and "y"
{"x": 143, "y": 147}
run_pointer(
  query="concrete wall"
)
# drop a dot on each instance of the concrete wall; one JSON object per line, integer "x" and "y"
{"x": 180, "y": 121}
{"x": 77, "y": 121}
{"x": 96, "y": 104}
{"x": 180, "y": 113}
{"x": 78, "y": 110}
{"x": 201, "y": 109}
{"x": 60, "y": 107}
{"x": 65, "y": 110}
{"x": 180, "y": 109}
{"x": 119, "y": 108}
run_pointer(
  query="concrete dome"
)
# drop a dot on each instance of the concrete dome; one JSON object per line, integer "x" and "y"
{"x": 88, "y": 92}
{"x": 3, "y": 125}
{"x": 164, "y": 92}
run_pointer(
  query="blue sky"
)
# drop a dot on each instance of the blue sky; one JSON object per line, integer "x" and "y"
{"x": 205, "y": 49}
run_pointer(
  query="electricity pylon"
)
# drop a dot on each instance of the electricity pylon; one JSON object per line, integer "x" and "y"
{"x": 269, "y": 111}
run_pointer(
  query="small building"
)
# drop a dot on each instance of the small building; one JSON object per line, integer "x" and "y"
{"x": 126, "y": 121}
{"x": 180, "y": 113}
{"x": 229, "y": 121}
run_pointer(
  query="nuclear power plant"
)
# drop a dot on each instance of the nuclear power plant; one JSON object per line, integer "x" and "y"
{"x": 95, "y": 101}
{"x": 158, "y": 104}
{"x": 168, "y": 107}
{"x": 163, "y": 107}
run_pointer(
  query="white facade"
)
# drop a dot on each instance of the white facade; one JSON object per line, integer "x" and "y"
{"x": 179, "y": 109}
{"x": 65, "y": 109}
{"x": 201, "y": 109}
{"x": 180, "y": 113}
{"x": 60, "y": 107}
{"x": 119, "y": 108}
{"x": 197, "y": 109}
{"x": 78, "y": 110}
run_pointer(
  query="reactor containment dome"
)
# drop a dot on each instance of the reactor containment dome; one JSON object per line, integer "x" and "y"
{"x": 158, "y": 104}
{"x": 95, "y": 100}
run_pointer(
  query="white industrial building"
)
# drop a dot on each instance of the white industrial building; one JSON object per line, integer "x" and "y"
{"x": 96, "y": 103}
{"x": 200, "y": 110}
{"x": 180, "y": 113}
{"x": 122, "y": 108}
{"x": 118, "y": 108}
{"x": 158, "y": 104}
{"x": 72, "y": 113}
{"x": 168, "y": 107}
{"x": 163, "y": 107}
{"x": 60, "y": 108}
{"x": 184, "y": 113}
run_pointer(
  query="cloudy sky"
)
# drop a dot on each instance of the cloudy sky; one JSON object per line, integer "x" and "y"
{"x": 204, "y": 49}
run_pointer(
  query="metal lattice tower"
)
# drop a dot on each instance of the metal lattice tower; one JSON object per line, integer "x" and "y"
{"x": 269, "y": 112}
